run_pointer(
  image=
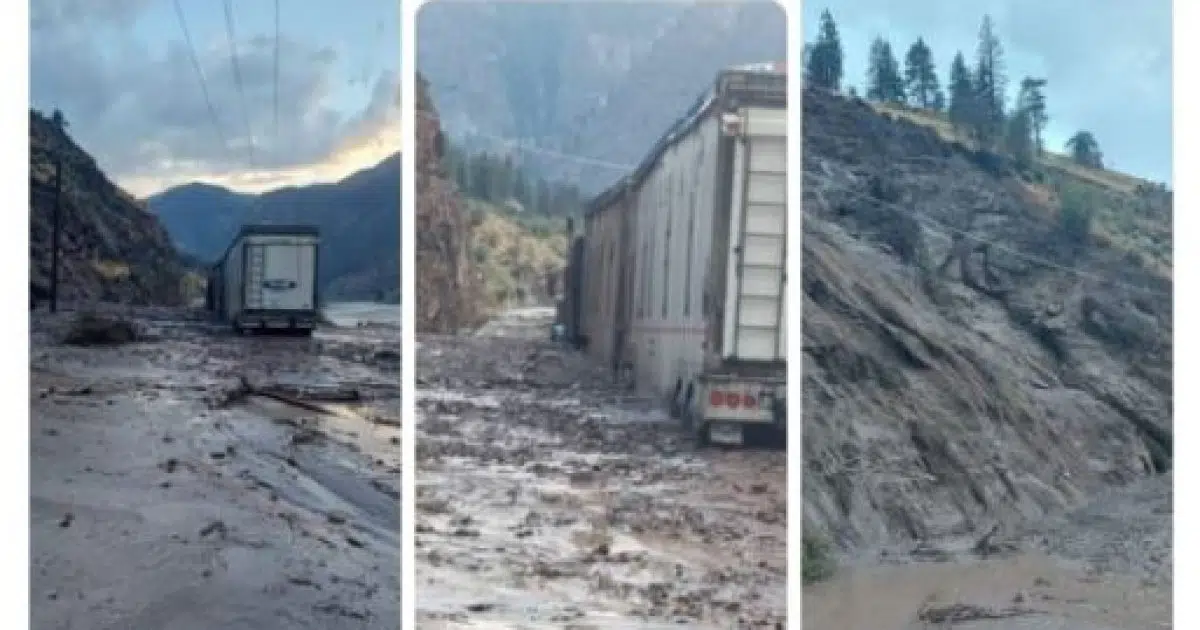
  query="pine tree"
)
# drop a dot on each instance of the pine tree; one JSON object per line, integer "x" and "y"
{"x": 59, "y": 120}
{"x": 1019, "y": 138}
{"x": 1033, "y": 100}
{"x": 963, "y": 105}
{"x": 990, "y": 82}
{"x": 920, "y": 77}
{"x": 1085, "y": 150}
{"x": 824, "y": 58}
{"x": 884, "y": 83}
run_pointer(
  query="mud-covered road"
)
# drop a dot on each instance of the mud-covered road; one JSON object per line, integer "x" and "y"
{"x": 164, "y": 495}
{"x": 547, "y": 499}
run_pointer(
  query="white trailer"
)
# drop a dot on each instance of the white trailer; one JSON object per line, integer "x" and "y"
{"x": 698, "y": 264}
{"x": 267, "y": 279}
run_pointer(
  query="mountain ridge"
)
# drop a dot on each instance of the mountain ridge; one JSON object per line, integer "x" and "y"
{"x": 358, "y": 216}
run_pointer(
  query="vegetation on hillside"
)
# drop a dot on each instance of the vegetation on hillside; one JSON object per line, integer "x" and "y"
{"x": 1093, "y": 204}
{"x": 110, "y": 248}
{"x": 518, "y": 237}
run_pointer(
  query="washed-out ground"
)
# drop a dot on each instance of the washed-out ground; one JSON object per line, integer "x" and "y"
{"x": 1104, "y": 566}
{"x": 547, "y": 498}
{"x": 164, "y": 495}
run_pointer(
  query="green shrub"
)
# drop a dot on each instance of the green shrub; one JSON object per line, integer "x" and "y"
{"x": 1075, "y": 214}
{"x": 816, "y": 559}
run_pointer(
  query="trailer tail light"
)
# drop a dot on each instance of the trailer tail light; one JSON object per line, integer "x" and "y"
{"x": 733, "y": 400}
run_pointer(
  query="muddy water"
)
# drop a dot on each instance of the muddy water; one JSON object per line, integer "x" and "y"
{"x": 1038, "y": 591}
{"x": 254, "y": 514}
{"x": 352, "y": 314}
{"x": 1105, "y": 565}
{"x": 546, "y": 499}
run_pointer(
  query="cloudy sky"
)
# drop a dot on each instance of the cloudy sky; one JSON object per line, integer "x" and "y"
{"x": 122, "y": 75}
{"x": 1107, "y": 62}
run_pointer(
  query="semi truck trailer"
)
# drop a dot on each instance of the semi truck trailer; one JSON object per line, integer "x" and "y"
{"x": 267, "y": 279}
{"x": 682, "y": 284}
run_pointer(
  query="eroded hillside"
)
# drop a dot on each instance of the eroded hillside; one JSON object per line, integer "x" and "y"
{"x": 969, "y": 359}
{"x": 112, "y": 249}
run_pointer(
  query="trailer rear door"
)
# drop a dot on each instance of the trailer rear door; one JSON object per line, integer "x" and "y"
{"x": 280, "y": 275}
{"x": 756, "y": 302}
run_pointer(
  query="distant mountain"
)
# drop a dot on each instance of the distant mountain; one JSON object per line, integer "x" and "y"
{"x": 600, "y": 79}
{"x": 359, "y": 219}
{"x": 111, "y": 248}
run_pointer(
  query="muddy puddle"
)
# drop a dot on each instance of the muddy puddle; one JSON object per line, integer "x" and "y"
{"x": 1027, "y": 591}
{"x": 217, "y": 510}
{"x": 547, "y": 499}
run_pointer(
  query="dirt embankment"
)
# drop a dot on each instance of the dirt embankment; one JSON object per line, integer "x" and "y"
{"x": 173, "y": 461}
{"x": 972, "y": 367}
{"x": 112, "y": 247}
{"x": 954, "y": 382}
{"x": 548, "y": 498}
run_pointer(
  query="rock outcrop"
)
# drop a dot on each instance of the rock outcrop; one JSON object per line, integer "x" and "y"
{"x": 112, "y": 249}
{"x": 966, "y": 364}
{"x": 448, "y": 290}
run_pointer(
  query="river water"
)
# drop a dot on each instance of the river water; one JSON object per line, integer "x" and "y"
{"x": 352, "y": 314}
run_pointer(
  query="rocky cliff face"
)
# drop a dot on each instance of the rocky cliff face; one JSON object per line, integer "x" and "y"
{"x": 966, "y": 363}
{"x": 112, "y": 249}
{"x": 448, "y": 295}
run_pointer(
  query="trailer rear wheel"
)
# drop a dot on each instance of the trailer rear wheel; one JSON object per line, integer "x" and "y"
{"x": 686, "y": 412}
{"x": 676, "y": 407}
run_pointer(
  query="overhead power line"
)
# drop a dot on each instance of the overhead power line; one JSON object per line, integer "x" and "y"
{"x": 237, "y": 76}
{"x": 187, "y": 39}
{"x": 948, "y": 231}
{"x": 525, "y": 147}
{"x": 275, "y": 93}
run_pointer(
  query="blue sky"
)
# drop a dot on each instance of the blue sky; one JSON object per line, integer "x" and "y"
{"x": 120, "y": 72}
{"x": 1107, "y": 62}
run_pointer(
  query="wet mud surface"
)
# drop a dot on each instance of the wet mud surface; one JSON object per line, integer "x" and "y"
{"x": 547, "y": 499}
{"x": 1103, "y": 566}
{"x": 164, "y": 495}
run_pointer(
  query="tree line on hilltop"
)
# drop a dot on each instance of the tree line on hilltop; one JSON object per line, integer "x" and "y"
{"x": 973, "y": 100}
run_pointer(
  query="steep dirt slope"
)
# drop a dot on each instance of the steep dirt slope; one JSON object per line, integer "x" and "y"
{"x": 448, "y": 295}
{"x": 955, "y": 383}
{"x": 112, "y": 248}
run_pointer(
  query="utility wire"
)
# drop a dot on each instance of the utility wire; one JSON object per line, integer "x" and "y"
{"x": 275, "y": 93}
{"x": 947, "y": 230}
{"x": 237, "y": 76}
{"x": 187, "y": 38}
{"x": 939, "y": 227}
{"x": 525, "y": 147}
